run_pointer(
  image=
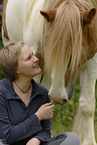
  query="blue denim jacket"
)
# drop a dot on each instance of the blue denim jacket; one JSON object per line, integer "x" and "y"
{"x": 19, "y": 123}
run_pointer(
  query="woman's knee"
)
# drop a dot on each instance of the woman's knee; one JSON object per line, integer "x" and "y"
{"x": 71, "y": 139}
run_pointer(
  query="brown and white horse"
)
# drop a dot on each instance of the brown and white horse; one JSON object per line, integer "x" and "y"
{"x": 65, "y": 41}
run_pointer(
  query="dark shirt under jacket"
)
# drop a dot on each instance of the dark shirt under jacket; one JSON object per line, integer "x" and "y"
{"x": 19, "y": 123}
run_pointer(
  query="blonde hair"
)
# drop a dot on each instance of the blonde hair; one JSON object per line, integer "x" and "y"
{"x": 65, "y": 27}
{"x": 9, "y": 59}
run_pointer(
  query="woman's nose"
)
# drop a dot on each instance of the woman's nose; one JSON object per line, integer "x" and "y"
{"x": 35, "y": 59}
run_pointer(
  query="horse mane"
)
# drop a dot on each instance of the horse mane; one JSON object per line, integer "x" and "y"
{"x": 66, "y": 27}
{"x": 35, "y": 6}
{"x": 28, "y": 10}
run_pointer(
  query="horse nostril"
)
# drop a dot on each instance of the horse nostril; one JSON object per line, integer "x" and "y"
{"x": 65, "y": 100}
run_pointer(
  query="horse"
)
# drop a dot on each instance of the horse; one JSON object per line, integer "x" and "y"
{"x": 63, "y": 34}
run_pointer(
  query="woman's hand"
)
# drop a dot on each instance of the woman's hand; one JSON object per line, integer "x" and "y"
{"x": 45, "y": 111}
{"x": 34, "y": 141}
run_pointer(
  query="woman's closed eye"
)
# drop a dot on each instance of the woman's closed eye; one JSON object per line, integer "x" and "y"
{"x": 29, "y": 57}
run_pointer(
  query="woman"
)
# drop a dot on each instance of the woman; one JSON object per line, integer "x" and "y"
{"x": 25, "y": 108}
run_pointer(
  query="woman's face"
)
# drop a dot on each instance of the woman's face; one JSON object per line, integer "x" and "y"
{"x": 27, "y": 63}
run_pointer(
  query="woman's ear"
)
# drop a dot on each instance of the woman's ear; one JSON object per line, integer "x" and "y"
{"x": 17, "y": 71}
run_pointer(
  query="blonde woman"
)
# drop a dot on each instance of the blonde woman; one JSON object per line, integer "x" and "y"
{"x": 25, "y": 108}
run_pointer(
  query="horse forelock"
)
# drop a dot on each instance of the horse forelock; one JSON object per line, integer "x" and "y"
{"x": 64, "y": 34}
{"x": 65, "y": 41}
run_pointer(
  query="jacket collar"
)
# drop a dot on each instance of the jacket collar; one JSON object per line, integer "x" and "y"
{"x": 36, "y": 89}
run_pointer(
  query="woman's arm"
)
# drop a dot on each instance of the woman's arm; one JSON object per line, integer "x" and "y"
{"x": 11, "y": 133}
{"x": 30, "y": 126}
{"x": 44, "y": 113}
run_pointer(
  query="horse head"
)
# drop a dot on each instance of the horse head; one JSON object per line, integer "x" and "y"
{"x": 66, "y": 38}
{"x": 69, "y": 44}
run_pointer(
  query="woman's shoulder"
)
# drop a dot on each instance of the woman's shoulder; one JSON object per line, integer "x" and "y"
{"x": 5, "y": 84}
{"x": 39, "y": 86}
{"x": 6, "y": 90}
{"x": 2, "y": 82}
{"x": 40, "y": 89}
{"x": 2, "y": 89}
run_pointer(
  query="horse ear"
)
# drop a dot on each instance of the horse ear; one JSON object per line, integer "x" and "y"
{"x": 88, "y": 16}
{"x": 49, "y": 15}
